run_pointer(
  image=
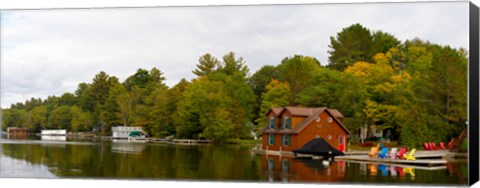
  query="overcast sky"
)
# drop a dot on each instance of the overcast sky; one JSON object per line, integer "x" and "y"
{"x": 49, "y": 52}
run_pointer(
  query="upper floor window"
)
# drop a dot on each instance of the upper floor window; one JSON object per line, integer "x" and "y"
{"x": 271, "y": 122}
{"x": 286, "y": 140}
{"x": 286, "y": 123}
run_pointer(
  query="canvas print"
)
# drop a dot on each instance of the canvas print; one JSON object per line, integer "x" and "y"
{"x": 366, "y": 93}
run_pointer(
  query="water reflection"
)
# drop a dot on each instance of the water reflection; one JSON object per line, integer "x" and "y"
{"x": 14, "y": 168}
{"x": 148, "y": 161}
{"x": 53, "y": 138}
{"x": 106, "y": 159}
{"x": 16, "y": 136}
{"x": 287, "y": 169}
{"x": 455, "y": 169}
{"x": 126, "y": 147}
{"x": 315, "y": 170}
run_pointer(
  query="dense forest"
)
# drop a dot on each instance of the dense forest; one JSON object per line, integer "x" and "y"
{"x": 415, "y": 87}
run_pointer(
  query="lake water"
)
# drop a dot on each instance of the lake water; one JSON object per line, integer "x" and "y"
{"x": 58, "y": 158}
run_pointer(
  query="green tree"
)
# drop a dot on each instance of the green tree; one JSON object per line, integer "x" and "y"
{"x": 278, "y": 94}
{"x": 299, "y": 71}
{"x": 82, "y": 95}
{"x": 208, "y": 111}
{"x": 60, "y": 118}
{"x": 125, "y": 102}
{"x": 38, "y": 118}
{"x": 111, "y": 109}
{"x": 100, "y": 87}
{"x": 75, "y": 121}
{"x": 206, "y": 65}
{"x": 5, "y": 116}
{"x": 98, "y": 93}
{"x": 352, "y": 44}
{"x": 382, "y": 42}
{"x": 81, "y": 121}
{"x": 67, "y": 99}
{"x": 32, "y": 103}
{"x": 231, "y": 64}
{"x": 16, "y": 117}
{"x": 260, "y": 79}
{"x": 165, "y": 111}
{"x": 140, "y": 98}
{"x": 243, "y": 102}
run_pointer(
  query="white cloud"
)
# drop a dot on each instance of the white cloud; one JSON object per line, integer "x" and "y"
{"x": 48, "y": 52}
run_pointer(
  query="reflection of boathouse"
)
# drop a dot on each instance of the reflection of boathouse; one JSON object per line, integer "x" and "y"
{"x": 290, "y": 128}
{"x": 119, "y": 146}
{"x": 287, "y": 169}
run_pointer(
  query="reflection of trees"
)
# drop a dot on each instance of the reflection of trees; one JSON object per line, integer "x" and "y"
{"x": 155, "y": 161}
{"x": 213, "y": 162}
{"x": 361, "y": 172}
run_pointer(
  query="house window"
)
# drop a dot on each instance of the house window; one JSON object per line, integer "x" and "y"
{"x": 286, "y": 140}
{"x": 271, "y": 139}
{"x": 285, "y": 165}
{"x": 286, "y": 122}
{"x": 271, "y": 122}
{"x": 340, "y": 140}
{"x": 271, "y": 164}
{"x": 329, "y": 120}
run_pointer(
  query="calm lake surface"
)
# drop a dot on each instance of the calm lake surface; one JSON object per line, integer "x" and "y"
{"x": 36, "y": 158}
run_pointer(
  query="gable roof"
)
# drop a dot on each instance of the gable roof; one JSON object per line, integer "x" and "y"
{"x": 302, "y": 111}
{"x": 307, "y": 121}
{"x": 276, "y": 111}
{"x": 310, "y": 114}
{"x": 336, "y": 113}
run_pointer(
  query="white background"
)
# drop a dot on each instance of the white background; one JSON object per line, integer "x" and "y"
{"x": 32, "y": 4}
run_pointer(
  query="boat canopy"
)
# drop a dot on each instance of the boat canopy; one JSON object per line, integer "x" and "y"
{"x": 318, "y": 146}
{"x": 135, "y": 133}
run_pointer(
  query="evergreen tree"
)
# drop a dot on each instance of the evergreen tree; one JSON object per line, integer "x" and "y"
{"x": 206, "y": 65}
{"x": 352, "y": 44}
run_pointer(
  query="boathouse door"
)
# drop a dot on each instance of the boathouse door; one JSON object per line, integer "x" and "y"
{"x": 341, "y": 143}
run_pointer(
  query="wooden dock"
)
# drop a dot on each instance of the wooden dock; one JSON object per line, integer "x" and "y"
{"x": 170, "y": 141}
{"x": 418, "y": 162}
{"x": 405, "y": 165}
{"x": 273, "y": 152}
{"x": 428, "y": 160}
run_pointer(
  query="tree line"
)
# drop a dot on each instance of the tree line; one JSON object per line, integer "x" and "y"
{"x": 415, "y": 87}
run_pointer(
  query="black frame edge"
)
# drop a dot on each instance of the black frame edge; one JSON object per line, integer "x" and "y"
{"x": 473, "y": 123}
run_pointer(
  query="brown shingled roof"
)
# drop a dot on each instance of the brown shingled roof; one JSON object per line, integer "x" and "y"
{"x": 303, "y": 111}
{"x": 276, "y": 111}
{"x": 307, "y": 121}
{"x": 336, "y": 113}
{"x": 310, "y": 113}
